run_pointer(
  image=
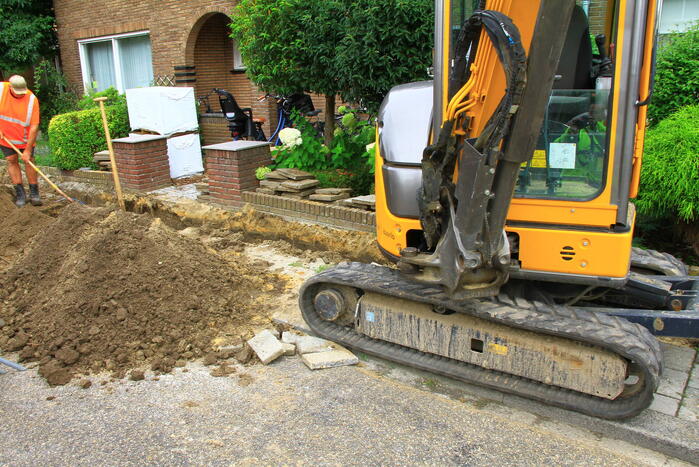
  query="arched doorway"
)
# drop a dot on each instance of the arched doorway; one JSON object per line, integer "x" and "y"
{"x": 218, "y": 65}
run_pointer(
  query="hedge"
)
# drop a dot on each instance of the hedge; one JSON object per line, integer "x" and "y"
{"x": 76, "y": 136}
{"x": 676, "y": 75}
{"x": 670, "y": 173}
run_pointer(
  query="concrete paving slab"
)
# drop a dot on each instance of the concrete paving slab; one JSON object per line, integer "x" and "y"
{"x": 689, "y": 408}
{"x": 266, "y": 346}
{"x": 331, "y": 359}
{"x": 289, "y": 349}
{"x": 665, "y": 404}
{"x": 694, "y": 377}
{"x": 306, "y": 344}
{"x": 677, "y": 357}
{"x": 673, "y": 382}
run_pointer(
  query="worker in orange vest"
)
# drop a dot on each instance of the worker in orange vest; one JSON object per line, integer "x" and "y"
{"x": 19, "y": 123}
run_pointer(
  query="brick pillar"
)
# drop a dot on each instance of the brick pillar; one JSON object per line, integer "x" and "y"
{"x": 142, "y": 162}
{"x": 231, "y": 169}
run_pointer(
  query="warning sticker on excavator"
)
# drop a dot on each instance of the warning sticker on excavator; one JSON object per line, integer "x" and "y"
{"x": 538, "y": 160}
{"x": 497, "y": 348}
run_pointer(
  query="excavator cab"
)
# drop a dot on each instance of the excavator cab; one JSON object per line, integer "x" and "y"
{"x": 503, "y": 192}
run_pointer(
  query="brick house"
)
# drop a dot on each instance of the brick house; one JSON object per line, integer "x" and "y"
{"x": 127, "y": 44}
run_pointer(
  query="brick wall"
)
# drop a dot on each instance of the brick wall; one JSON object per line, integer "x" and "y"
{"x": 142, "y": 162}
{"x": 231, "y": 169}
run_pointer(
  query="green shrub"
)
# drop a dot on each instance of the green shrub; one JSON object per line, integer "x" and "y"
{"x": 670, "y": 173}
{"x": 74, "y": 137}
{"x": 676, "y": 75}
{"x": 112, "y": 95}
{"x": 54, "y": 93}
{"x": 348, "y": 163}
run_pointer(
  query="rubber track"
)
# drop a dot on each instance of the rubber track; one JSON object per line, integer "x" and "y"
{"x": 617, "y": 335}
{"x": 653, "y": 260}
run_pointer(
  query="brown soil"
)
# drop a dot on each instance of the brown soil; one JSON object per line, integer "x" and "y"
{"x": 100, "y": 290}
{"x": 18, "y": 227}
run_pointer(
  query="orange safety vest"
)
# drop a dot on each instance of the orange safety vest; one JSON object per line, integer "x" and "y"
{"x": 17, "y": 116}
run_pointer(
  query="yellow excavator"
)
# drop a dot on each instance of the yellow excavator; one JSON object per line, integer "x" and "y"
{"x": 503, "y": 192}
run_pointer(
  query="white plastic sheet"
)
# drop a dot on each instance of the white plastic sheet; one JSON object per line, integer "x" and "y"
{"x": 184, "y": 154}
{"x": 161, "y": 109}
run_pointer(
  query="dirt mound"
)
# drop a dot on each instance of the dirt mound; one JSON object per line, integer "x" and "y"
{"x": 101, "y": 290}
{"x": 19, "y": 226}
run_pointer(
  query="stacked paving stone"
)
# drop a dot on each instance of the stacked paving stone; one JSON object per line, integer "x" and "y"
{"x": 203, "y": 189}
{"x": 367, "y": 202}
{"x": 101, "y": 159}
{"x": 316, "y": 353}
{"x": 297, "y": 184}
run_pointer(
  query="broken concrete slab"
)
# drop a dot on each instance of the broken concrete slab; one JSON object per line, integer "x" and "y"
{"x": 300, "y": 185}
{"x": 366, "y": 200}
{"x": 272, "y": 185}
{"x": 331, "y": 359}
{"x": 328, "y": 198}
{"x": 289, "y": 349}
{"x": 333, "y": 191}
{"x": 298, "y": 194}
{"x": 294, "y": 174}
{"x": 307, "y": 344}
{"x": 266, "y": 346}
{"x": 265, "y": 191}
{"x": 275, "y": 175}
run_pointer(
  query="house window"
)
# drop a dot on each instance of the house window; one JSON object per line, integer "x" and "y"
{"x": 678, "y": 15}
{"x": 123, "y": 61}
{"x": 238, "y": 64}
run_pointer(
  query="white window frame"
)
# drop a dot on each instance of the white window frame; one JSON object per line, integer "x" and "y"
{"x": 238, "y": 64}
{"x": 84, "y": 66}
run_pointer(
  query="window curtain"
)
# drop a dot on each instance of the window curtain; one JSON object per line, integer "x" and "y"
{"x": 136, "y": 62}
{"x": 101, "y": 65}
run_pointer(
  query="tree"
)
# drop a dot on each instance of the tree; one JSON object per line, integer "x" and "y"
{"x": 385, "y": 43}
{"x": 26, "y": 33}
{"x": 357, "y": 49}
{"x": 289, "y": 46}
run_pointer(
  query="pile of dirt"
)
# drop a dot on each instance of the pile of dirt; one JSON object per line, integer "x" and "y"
{"x": 19, "y": 226}
{"x": 101, "y": 290}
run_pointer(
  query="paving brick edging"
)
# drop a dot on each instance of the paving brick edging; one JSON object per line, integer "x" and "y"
{"x": 337, "y": 216}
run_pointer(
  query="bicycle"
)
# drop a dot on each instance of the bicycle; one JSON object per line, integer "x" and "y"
{"x": 241, "y": 122}
{"x": 299, "y": 102}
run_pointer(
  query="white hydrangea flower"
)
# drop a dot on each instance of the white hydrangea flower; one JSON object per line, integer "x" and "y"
{"x": 290, "y": 137}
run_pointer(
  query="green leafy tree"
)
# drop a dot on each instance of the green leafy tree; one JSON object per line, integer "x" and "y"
{"x": 357, "y": 49}
{"x": 676, "y": 75}
{"x": 26, "y": 33}
{"x": 384, "y": 43}
{"x": 289, "y": 46}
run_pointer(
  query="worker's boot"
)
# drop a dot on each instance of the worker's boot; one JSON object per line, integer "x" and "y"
{"x": 34, "y": 197}
{"x": 21, "y": 196}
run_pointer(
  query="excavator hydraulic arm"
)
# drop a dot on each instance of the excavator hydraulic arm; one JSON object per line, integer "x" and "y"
{"x": 464, "y": 220}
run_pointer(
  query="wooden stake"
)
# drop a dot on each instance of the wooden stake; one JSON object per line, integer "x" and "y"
{"x": 48, "y": 180}
{"x": 112, "y": 160}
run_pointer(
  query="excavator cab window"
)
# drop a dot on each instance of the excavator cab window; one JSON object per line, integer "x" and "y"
{"x": 570, "y": 159}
